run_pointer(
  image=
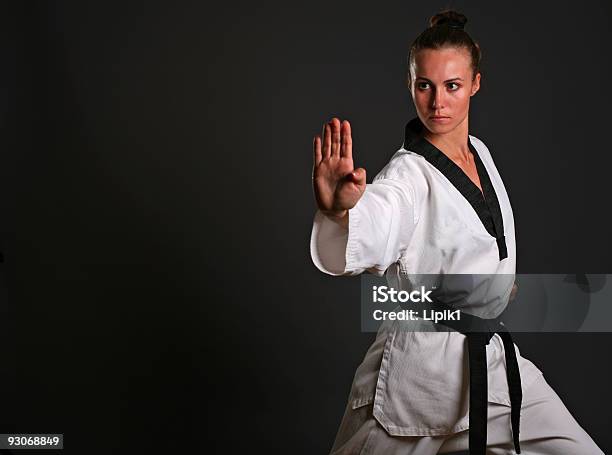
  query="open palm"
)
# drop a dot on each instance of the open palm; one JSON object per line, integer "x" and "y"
{"x": 337, "y": 184}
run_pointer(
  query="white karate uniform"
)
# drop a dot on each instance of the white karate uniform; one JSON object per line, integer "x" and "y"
{"x": 413, "y": 220}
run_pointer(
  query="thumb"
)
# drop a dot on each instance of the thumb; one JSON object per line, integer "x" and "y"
{"x": 358, "y": 176}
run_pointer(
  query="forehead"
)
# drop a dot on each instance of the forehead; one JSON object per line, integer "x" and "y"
{"x": 442, "y": 64}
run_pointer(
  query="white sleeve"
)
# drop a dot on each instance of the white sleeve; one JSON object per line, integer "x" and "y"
{"x": 380, "y": 227}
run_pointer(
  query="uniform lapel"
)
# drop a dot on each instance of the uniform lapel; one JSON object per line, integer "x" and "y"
{"x": 487, "y": 208}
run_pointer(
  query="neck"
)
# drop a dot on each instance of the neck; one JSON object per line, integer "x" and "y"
{"x": 454, "y": 144}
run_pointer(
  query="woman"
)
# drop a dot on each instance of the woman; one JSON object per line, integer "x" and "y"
{"x": 439, "y": 207}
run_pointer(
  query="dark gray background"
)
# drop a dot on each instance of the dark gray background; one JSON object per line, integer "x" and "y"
{"x": 157, "y": 207}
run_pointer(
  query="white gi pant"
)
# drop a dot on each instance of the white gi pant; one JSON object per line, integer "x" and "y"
{"x": 546, "y": 428}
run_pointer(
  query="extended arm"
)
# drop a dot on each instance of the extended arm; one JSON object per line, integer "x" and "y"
{"x": 358, "y": 227}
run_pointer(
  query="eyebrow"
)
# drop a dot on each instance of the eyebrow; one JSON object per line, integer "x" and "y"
{"x": 448, "y": 80}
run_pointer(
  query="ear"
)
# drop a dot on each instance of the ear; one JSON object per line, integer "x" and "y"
{"x": 475, "y": 84}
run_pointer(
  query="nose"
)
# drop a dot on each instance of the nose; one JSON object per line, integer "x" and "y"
{"x": 438, "y": 100}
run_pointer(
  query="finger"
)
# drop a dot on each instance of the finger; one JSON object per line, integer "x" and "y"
{"x": 326, "y": 141}
{"x": 316, "y": 145}
{"x": 346, "y": 150}
{"x": 335, "y": 146}
{"x": 358, "y": 176}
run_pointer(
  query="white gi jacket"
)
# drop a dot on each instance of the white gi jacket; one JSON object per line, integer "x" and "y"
{"x": 421, "y": 215}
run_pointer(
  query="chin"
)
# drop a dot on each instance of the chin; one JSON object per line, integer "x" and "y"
{"x": 437, "y": 128}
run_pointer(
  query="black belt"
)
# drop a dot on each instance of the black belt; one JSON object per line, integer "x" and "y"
{"x": 479, "y": 332}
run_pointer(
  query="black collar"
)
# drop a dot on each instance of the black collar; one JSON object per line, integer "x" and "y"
{"x": 487, "y": 208}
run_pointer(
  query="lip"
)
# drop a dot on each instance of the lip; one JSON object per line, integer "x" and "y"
{"x": 439, "y": 119}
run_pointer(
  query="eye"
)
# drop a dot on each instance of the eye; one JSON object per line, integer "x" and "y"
{"x": 453, "y": 86}
{"x": 422, "y": 85}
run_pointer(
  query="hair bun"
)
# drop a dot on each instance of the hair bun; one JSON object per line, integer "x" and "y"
{"x": 450, "y": 18}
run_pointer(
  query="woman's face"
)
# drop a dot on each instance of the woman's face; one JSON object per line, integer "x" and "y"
{"x": 441, "y": 87}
